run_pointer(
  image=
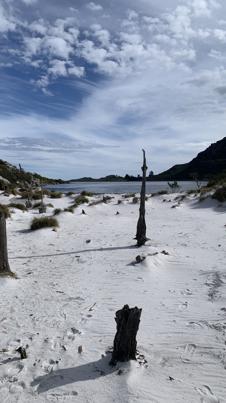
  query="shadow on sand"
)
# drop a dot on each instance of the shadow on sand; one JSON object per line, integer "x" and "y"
{"x": 112, "y": 248}
{"x": 61, "y": 377}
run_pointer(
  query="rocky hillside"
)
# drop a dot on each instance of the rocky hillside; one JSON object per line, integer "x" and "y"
{"x": 11, "y": 176}
{"x": 208, "y": 164}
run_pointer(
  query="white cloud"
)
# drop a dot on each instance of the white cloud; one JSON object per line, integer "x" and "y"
{"x": 165, "y": 72}
{"x": 7, "y": 23}
{"x": 220, "y": 34}
{"x": 29, "y": 2}
{"x": 77, "y": 71}
{"x": 58, "y": 68}
{"x": 94, "y": 6}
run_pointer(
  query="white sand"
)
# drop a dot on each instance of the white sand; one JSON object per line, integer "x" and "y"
{"x": 68, "y": 291}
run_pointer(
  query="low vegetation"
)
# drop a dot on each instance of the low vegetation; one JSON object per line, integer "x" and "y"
{"x": 85, "y": 193}
{"x": 55, "y": 195}
{"x": 135, "y": 200}
{"x": 43, "y": 222}
{"x": 18, "y": 206}
{"x": 57, "y": 211}
{"x": 69, "y": 210}
{"x": 128, "y": 195}
{"x": 81, "y": 199}
{"x": 5, "y": 210}
{"x": 220, "y": 194}
{"x": 159, "y": 193}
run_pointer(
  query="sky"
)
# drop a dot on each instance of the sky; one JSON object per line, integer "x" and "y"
{"x": 84, "y": 85}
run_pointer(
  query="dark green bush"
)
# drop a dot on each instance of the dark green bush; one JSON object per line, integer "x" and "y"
{"x": 70, "y": 193}
{"x": 220, "y": 194}
{"x": 80, "y": 200}
{"x": 159, "y": 193}
{"x": 19, "y": 206}
{"x": 69, "y": 210}
{"x": 37, "y": 195}
{"x": 128, "y": 195}
{"x": 85, "y": 193}
{"x": 55, "y": 195}
{"x": 43, "y": 222}
{"x": 57, "y": 211}
{"x": 135, "y": 200}
{"x": 5, "y": 210}
{"x": 42, "y": 209}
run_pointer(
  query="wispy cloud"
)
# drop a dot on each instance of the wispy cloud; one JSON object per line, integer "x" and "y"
{"x": 132, "y": 76}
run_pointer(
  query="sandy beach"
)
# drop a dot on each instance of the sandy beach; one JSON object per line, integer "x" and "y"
{"x": 72, "y": 281}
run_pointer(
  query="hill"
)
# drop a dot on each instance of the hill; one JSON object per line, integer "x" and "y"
{"x": 206, "y": 165}
{"x": 11, "y": 176}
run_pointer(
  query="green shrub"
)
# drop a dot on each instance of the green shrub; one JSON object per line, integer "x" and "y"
{"x": 42, "y": 209}
{"x": 5, "y": 210}
{"x": 159, "y": 193}
{"x": 18, "y": 206}
{"x": 37, "y": 205}
{"x": 57, "y": 211}
{"x": 85, "y": 193}
{"x": 135, "y": 200}
{"x": 128, "y": 195}
{"x": 107, "y": 198}
{"x": 80, "y": 200}
{"x": 43, "y": 222}
{"x": 70, "y": 193}
{"x": 220, "y": 194}
{"x": 69, "y": 209}
{"x": 37, "y": 195}
{"x": 40, "y": 204}
{"x": 55, "y": 195}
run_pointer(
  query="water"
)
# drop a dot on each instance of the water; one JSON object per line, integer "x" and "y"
{"x": 119, "y": 187}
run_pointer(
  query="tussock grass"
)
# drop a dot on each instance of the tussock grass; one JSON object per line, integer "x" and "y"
{"x": 220, "y": 194}
{"x": 57, "y": 211}
{"x": 18, "y": 206}
{"x": 55, "y": 195}
{"x": 5, "y": 210}
{"x": 43, "y": 222}
{"x": 80, "y": 200}
{"x": 69, "y": 210}
{"x": 85, "y": 193}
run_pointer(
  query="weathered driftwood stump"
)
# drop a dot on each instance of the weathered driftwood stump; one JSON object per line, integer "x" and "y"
{"x": 125, "y": 344}
{"x": 4, "y": 263}
{"x": 141, "y": 224}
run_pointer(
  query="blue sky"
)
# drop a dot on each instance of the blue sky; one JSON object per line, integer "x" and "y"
{"x": 86, "y": 85}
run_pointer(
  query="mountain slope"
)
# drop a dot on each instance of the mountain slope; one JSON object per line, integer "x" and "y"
{"x": 205, "y": 165}
{"x": 11, "y": 175}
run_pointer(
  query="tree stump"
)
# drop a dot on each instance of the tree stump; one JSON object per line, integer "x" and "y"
{"x": 125, "y": 344}
{"x": 4, "y": 263}
{"x": 141, "y": 224}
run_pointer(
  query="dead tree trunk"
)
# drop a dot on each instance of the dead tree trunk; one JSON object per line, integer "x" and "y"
{"x": 141, "y": 224}
{"x": 125, "y": 344}
{"x": 4, "y": 263}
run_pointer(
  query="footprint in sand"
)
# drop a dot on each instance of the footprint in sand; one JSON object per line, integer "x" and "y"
{"x": 188, "y": 352}
{"x": 183, "y": 306}
{"x": 207, "y": 396}
{"x": 57, "y": 396}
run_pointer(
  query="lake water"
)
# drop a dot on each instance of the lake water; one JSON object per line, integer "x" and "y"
{"x": 119, "y": 187}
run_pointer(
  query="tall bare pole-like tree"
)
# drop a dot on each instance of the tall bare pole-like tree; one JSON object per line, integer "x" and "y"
{"x": 141, "y": 224}
{"x": 4, "y": 262}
